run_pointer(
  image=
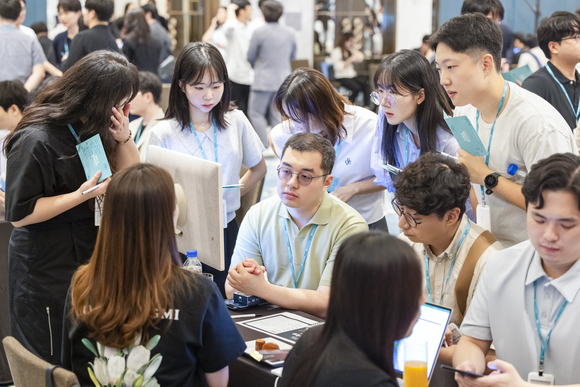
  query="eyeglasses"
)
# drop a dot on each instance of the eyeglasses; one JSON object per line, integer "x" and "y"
{"x": 378, "y": 96}
{"x": 576, "y": 37}
{"x": 408, "y": 217}
{"x": 304, "y": 178}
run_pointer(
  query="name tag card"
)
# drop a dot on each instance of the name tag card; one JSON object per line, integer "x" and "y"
{"x": 93, "y": 157}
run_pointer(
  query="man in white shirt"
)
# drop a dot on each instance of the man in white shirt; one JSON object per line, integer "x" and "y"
{"x": 238, "y": 30}
{"x": 528, "y": 298}
{"x": 516, "y": 126}
{"x": 146, "y": 105}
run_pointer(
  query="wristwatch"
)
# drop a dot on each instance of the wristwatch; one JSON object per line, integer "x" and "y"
{"x": 490, "y": 182}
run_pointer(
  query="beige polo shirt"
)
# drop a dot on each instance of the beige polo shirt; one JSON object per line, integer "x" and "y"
{"x": 439, "y": 266}
{"x": 262, "y": 238}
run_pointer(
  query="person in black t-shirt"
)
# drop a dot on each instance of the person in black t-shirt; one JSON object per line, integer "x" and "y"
{"x": 152, "y": 321}
{"x": 558, "y": 82}
{"x": 69, "y": 12}
{"x": 373, "y": 303}
{"x": 98, "y": 37}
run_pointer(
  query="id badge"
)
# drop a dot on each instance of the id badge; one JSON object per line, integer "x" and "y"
{"x": 333, "y": 185}
{"x": 545, "y": 379}
{"x": 484, "y": 216}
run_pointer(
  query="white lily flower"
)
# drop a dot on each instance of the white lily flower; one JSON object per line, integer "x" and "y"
{"x": 138, "y": 357}
{"x": 129, "y": 378}
{"x": 152, "y": 368}
{"x": 110, "y": 352}
{"x": 116, "y": 366}
{"x": 152, "y": 383}
{"x": 101, "y": 371}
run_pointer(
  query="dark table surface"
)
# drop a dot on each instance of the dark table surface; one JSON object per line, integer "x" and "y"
{"x": 245, "y": 371}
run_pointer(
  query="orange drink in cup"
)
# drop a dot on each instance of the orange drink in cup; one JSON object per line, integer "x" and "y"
{"x": 415, "y": 372}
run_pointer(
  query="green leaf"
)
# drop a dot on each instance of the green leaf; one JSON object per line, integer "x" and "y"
{"x": 90, "y": 346}
{"x": 153, "y": 342}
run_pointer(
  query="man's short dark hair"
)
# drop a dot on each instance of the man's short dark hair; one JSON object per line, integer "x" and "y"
{"x": 10, "y": 9}
{"x": 13, "y": 93}
{"x": 558, "y": 26}
{"x": 39, "y": 27}
{"x": 559, "y": 172}
{"x": 242, "y": 4}
{"x": 103, "y": 8}
{"x": 434, "y": 184}
{"x": 484, "y": 7}
{"x": 69, "y": 5}
{"x": 471, "y": 34}
{"x": 310, "y": 142}
{"x": 150, "y": 7}
{"x": 272, "y": 11}
{"x": 150, "y": 83}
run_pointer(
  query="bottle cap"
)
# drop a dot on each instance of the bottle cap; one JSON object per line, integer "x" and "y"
{"x": 191, "y": 253}
{"x": 512, "y": 169}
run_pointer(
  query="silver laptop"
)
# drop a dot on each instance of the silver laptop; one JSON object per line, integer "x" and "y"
{"x": 430, "y": 328}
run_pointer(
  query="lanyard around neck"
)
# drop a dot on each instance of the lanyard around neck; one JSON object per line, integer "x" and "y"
{"x": 577, "y": 112}
{"x": 450, "y": 269}
{"x": 542, "y": 341}
{"x": 294, "y": 278}
{"x": 74, "y": 133}
{"x": 215, "y": 146}
{"x": 505, "y": 89}
{"x": 336, "y": 152}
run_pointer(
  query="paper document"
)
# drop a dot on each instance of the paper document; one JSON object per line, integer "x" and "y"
{"x": 517, "y": 74}
{"x": 466, "y": 136}
{"x": 93, "y": 158}
{"x": 286, "y": 326}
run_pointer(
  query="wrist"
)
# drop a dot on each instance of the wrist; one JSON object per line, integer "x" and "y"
{"x": 124, "y": 141}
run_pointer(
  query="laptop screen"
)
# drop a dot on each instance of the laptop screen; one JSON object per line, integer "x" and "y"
{"x": 429, "y": 328}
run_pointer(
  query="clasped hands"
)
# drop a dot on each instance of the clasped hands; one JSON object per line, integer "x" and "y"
{"x": 248, "y": 277}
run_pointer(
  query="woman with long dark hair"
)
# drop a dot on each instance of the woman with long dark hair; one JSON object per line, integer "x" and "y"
{"x": 308, "y": 103}
{"x": 411, "y": 114}
{"x": 374, "y": 301}
{"x": 54, "y": 221}
{"x": 139, "y": 46}
{"x": 134, "y": 309}
{"x": 200, "y": 122}
{"x": 344, "y": 56}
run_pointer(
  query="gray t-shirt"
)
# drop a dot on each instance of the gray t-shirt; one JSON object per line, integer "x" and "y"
{"x": 528, "y": 130}
{"x": 19, "y": 53}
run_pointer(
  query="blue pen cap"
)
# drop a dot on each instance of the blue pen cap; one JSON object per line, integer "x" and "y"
{"x": 512, "y": 169}
{"x": 191, "y": 253}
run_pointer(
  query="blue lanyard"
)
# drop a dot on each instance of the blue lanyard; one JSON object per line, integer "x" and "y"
{"x": 450, "y": 269}
{"x": 505, "y": 89}
{"x": 215, "y": 147}
{"x": 65, "y": 45}
{"x": 545, "y": 342}
{"x": 407, "y": 147}
{"x": 74, "y": 133}
{"x": 577, "y": 113}
{"x": 294, "y": 278}
{"x": 138, "y": 134}
{"x": 337, "y": 151}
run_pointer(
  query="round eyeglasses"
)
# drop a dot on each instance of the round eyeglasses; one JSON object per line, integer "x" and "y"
{"x": 408, "y": 217}
{"x": 388, "y": 96}
{"x": 304, "y": 178}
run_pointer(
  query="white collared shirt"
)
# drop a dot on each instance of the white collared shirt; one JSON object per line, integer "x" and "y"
{"x": 502, "y": 310}
{"x": 239, "y": 36}
{"x": 237, "y": 145}
{"x": 439, "y": 266}
{"x": 353, "y": 161}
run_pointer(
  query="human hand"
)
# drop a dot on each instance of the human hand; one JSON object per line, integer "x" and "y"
{"x": 2, "y": 198}
{"x": 448, "y": 337}
{"x": 253, "y": 267}
{"x": 120, "y": 124}
{"x": 477, "y": 168}
{"x": 345, "y": 193}
{"x": 91, "y": 183}
{"x": 242, "y": 280}
{"x": 505, "y": 375}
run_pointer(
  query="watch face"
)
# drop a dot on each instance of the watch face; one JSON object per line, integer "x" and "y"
{"x": 490, "y": 180}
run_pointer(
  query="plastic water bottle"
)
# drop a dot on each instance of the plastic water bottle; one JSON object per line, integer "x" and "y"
{"x": 518, "y": 176}
{"x": 192, "y": 263}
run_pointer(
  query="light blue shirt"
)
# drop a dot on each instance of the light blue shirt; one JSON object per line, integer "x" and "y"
{"x": 237, "y": 145}
{"x": 445, "y": 143}
{"x": 19, "y": 53}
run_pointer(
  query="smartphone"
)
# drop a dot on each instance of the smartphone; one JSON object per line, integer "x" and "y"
{"x": 465, "y": 373}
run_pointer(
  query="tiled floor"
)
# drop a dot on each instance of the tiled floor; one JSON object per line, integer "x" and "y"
{"x": 269, "y": 190}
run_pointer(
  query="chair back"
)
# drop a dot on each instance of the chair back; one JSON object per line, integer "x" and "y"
{"x": 29, "y": 370}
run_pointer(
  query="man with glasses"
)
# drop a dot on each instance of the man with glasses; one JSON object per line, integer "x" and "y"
{"x": 558, "y": 82}
{"x": 287, "y": 244}
{"x": 430, "y": 201}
